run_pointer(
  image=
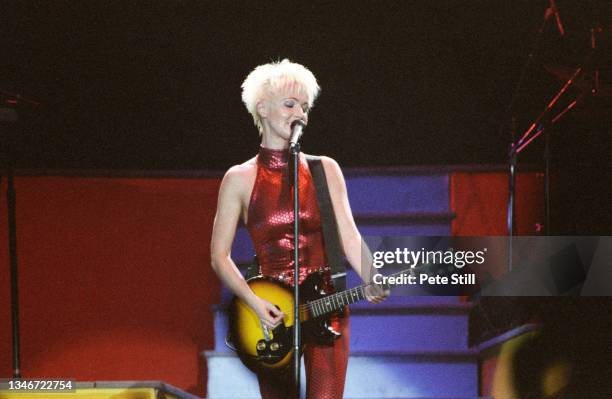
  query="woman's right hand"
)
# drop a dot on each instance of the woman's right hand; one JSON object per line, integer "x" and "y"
{"x": 268, "y": 313}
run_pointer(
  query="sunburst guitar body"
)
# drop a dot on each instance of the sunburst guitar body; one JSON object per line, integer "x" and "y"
{"x": 265, "y": 350}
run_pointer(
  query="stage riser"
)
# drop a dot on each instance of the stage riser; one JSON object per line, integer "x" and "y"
{"x": 372, "y": 376}
{"x": 109, "y": 390}
{"x": 397, "y": 193}
{"x": 91, "y": 394}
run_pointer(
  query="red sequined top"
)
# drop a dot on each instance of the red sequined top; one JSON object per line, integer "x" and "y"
{"x": 270, "y": 218}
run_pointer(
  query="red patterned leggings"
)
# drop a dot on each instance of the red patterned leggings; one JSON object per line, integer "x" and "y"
{"x": 325, "y": 370}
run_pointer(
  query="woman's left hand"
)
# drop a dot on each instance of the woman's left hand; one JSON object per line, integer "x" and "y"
{"x": 376, "y": 293}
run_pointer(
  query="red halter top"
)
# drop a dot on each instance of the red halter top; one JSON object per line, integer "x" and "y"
{"x": 270, "y": 218}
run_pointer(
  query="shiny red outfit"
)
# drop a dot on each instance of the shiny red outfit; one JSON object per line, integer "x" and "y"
{"x": 270, "y": 224}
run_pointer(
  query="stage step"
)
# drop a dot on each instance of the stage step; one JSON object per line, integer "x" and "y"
{"x": 382, "y": 374}
{"x": 416, "y": 192}
{"x": 109, "y": 390}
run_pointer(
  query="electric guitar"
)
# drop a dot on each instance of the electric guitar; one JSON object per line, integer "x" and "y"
{"x": 267, "y": 350}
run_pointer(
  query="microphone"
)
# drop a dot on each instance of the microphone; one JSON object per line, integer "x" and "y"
{"x": 297, "y": 129}
{"x": 554, "y": 10}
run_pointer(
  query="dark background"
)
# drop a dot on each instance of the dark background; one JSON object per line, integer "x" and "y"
{"x": 156, "y": 85}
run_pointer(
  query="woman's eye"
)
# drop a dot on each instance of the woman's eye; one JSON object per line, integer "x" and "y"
{"x": 289, "y": 104}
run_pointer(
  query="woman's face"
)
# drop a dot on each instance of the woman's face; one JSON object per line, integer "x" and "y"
{"x": 281, "y": 109}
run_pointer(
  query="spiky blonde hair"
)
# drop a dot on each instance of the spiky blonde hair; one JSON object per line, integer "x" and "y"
{"x": 273, "y": 78}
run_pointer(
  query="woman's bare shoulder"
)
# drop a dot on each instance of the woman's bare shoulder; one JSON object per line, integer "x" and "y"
{"x": 330, "y": 165}
{"x": 241, "y": 171}
{"x": 240, "y": 176}
{"x": 325, "y": 160}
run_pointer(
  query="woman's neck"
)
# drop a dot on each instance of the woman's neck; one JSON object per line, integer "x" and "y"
{"x": 274, "y": 143}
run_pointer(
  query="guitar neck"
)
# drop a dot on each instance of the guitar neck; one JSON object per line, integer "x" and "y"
{"x": 337, "y": 301}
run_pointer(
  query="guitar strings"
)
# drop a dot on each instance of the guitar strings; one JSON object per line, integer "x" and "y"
{"x": 310, "y": 306}
{"x": 350, "y": 292}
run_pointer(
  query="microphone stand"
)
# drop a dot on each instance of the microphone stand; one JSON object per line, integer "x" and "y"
{"x": 297, "y": 327}
{"x": 8, "y": 120}
{"x": 8, "y": 127}
{"x": 542, "y": 124}
{"x": 512, "y": 156}
{"x": 511, "y": 190}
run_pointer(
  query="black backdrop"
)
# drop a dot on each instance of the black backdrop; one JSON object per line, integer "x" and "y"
{"x": 156, "y": 85}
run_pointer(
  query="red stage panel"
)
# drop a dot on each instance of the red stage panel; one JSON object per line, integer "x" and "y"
{"x": 115, "y": 278}
{"x": 480, "y": 202}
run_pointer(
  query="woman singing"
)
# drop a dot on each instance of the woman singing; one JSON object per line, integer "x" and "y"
{"x": 259, "y": 191}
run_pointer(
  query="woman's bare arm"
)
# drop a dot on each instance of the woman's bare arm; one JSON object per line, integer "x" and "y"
{"x": 356, "y": 251}
{"x": 229, "y": 208}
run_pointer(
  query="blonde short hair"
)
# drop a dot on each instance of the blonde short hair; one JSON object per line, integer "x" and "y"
{"x": 274, "y": 77}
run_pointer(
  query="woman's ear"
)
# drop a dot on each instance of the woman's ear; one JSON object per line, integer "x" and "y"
{"x": 262, "y": 108}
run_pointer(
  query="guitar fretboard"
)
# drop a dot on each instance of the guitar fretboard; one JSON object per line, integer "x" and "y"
{"x": 336, "y": 301}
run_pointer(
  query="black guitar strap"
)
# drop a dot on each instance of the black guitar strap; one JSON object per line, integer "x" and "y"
{"x": 328, "y": 223}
